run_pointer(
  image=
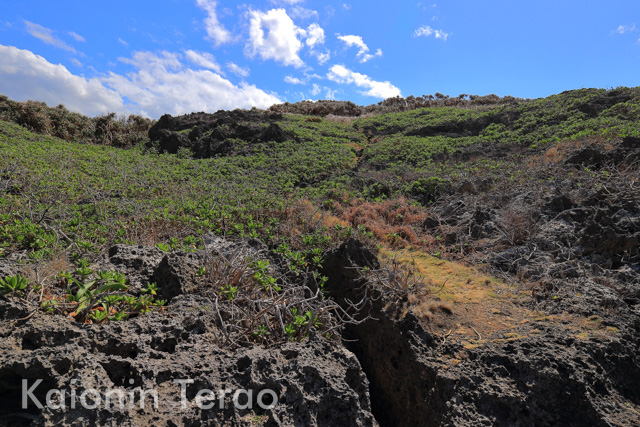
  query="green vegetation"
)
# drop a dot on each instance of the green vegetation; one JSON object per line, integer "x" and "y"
{"x": 14, "y": 285}
{"x": 332, "y": 178}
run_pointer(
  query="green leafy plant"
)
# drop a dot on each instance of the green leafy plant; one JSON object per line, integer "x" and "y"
{"x": 13, "y": 285}
{"x": 151, "y": 289}
{"x": 102, "y": 298}
{"x": 229, "y": 292}
{"x": 164, "y": 247}
{"x": 265, "y": 280}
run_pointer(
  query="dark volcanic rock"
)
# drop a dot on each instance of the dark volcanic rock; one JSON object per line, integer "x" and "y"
{"x": 317, "y": 382}
{"x": 138, "y": 263}
{"x": 210, "y": 135}
{"x": 599, "y": 103}
{"x": 552, "y": 378}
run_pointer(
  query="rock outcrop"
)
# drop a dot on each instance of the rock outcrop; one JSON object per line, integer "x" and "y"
{"x": 211, "y": 135}
{"x": 393, "y": 369}
{"x": 316, "y": 382}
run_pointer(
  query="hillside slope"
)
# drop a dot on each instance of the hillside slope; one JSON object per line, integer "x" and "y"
{"x": 497, "y": 244}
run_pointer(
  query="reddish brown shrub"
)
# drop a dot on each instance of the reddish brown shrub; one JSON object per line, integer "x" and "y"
{"x": 395, "y": 221}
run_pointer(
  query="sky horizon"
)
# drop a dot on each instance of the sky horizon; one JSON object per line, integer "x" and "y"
{"x": 181, "y": 56}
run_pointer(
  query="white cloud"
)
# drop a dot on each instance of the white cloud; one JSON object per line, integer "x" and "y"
{"x": 238, "y": 70}
{"x": 354, "y": 41}
{"x": 294, "y": 80}
{"x": 157, "y": 84}
{"x": 315, "y": 38}
{"x": 203, "y": 59}
{"x": 343, "y": 75}
{"x": 315, "y": 35}
{"x": 76, "y": 62}
{"x": 330, "y": 94}
{"x": 215, "y": 30}
{"x": 280, "y": 43}
{"x": 46, "y": 35}
{"x": 363, "y": 50}
{"x": 24, "y": 75}
{"x": 315, "y": 90}
{"x": 323, "y": 57}
{"x": 427, "y": 31}
{"x": 122, "y": 42}
{"x": 161, "y": 84}
{"x": 77, "y": 36}
{"x": 369, "y": 56}
{"x": 625, "y": 28}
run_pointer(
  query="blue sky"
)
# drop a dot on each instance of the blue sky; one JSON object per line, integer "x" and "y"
{"x": 178, "y": 56}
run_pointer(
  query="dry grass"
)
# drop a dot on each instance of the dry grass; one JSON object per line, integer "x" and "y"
{"x": 393, "y": 221}
{"x": 47, "y": 270}
{"x": 561, "y": 151}
{"x": 152, "y": 232}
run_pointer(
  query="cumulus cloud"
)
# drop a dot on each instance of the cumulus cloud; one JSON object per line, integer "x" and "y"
{"x": 363, "y": 50}
{"x": 215, "y": 30}
{"x": 315, "y": 35}
{"x": 315, "y": 90}
{"x": 24, "y": 75}
{"x": 279, "y": 42}
{"x": 203, "y": 59}
{"x": 316, "y": 38}
{"x": 160, "y": 84}
{"x": 343, "y": 75}
{"x": 427, "y": 31}
{"x": 294, "y": 80}
{"x": 46, "y": 35}
{"x": 238, "y": 70}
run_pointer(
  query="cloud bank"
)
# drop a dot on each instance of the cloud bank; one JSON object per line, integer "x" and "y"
{"x": 24, "y": 75}
{"x": 157, "y": 84}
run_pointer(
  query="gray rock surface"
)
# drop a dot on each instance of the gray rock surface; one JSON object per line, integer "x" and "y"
{"x": 316, "y": 382}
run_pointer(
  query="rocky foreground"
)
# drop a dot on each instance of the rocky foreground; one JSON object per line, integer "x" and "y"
{"x": 396, "y": 371}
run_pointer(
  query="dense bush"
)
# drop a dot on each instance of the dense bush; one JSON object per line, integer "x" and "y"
{"x": 349, "y": 109}
{"x": 59, "y": 122}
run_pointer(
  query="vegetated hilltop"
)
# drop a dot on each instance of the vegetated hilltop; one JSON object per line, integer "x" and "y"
{"x": 493, "y": 241}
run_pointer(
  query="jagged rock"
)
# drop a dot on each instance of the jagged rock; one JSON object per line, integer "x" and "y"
{"x": 235, "y": 248}
{"x": 317, "y": 382}
{"x": 210, "y": 135}
{"x": 175, "y": 275}
{"x": 138, "y": 263}
{"x": 341, "y": 267}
